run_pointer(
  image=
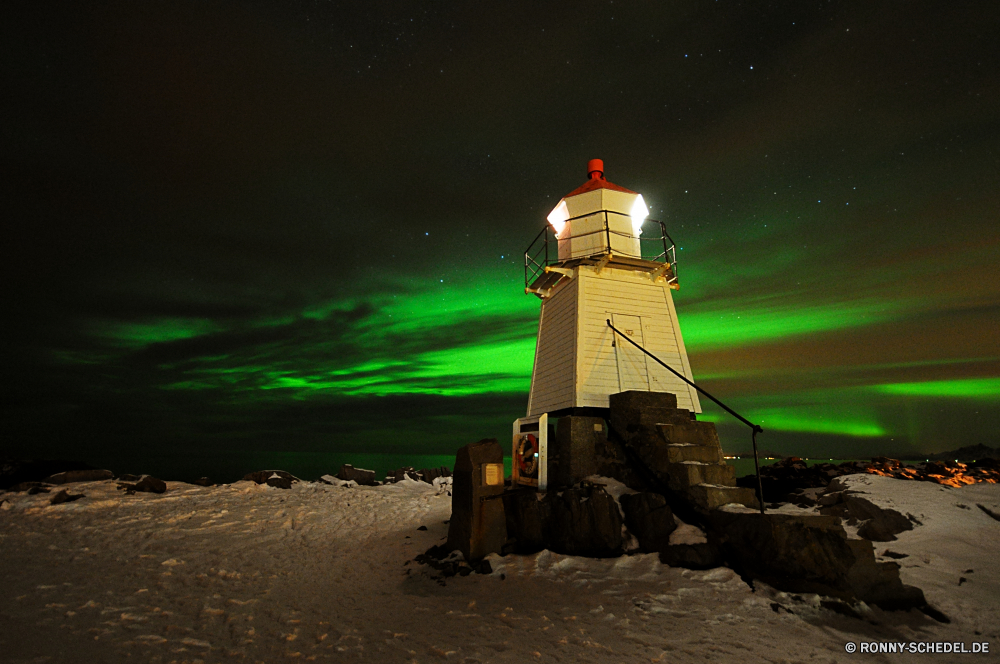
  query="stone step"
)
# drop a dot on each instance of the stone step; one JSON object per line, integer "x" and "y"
{"x": 626, "y": 422}
{"x": 714, "y": 496}
{"x": 681, "y": 452}
{"x": 682, "y": 476}
{"x": 690, "y": 432}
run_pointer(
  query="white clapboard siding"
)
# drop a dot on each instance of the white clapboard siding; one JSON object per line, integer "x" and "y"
{"x": 552, "y": 380}
{"x": 575, "y": 362}
{"x": 626, "y": 293}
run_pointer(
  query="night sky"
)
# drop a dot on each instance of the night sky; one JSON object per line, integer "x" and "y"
{"x": 299, "y": 226}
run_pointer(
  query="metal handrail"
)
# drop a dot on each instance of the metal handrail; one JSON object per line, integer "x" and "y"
{"x": 538, "y": 255}
{"x": 755, "y": 428}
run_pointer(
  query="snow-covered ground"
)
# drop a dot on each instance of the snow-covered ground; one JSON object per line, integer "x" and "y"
{"x": 247, "y": 572}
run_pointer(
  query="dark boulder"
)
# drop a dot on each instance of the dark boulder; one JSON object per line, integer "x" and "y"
{"x": 203, "y": 481}
{"x": 800, "y": 553}
{"x": 276, "y": 478}
{"x": 430, "y": 474}
{"x": 64, "y": 496}
{"x": 692, "y": 556}
{"x": 878, "y": 524}
{"x": 400, "y": 474}
{"x": 583, "y": 521}
{"x": 527, "y": 516}
{"x": 71, "y": 476}
{"x": 360, "y": 475}
{"x": 16, "y": 471}
{"x": 580, "y": 521}
{"x": 649, "y": 518}
{"x": 31, "y": 487}
{"x": 148, "y": 484}
{"x": 151, "y": 484}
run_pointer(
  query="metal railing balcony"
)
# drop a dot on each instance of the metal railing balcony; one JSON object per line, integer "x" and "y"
{"x": 544, "y": 250}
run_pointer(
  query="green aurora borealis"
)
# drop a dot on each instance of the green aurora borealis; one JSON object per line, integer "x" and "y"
{"x": 283, "y": 227}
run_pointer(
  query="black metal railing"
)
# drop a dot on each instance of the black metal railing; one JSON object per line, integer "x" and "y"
{"x": 754, "y": 428}
{"x": 544, "y": 249}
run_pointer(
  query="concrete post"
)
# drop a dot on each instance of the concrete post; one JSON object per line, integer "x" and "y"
{"x": 478, "y": 525}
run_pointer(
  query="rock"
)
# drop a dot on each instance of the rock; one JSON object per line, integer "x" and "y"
{"x": 70, "y": 476}
{"x": 128, "y": 477}
{"x": 276, "y": 478}
{"x": 349, "y": 473}
{"x": 800, "y": 553}
{"x": 430, "y": 474}
{"x": 64, "y": 496}
{"x": 692, "y": 556}
{"x": 150, "y": 484}
{"x": 807, "y": 497}
{"x": 526, "y": 517}
{"x": 31, "y": 487}
{"x": 583, "y": 521}
{"x": 967, "y": 454}
{"x": 279, "y": 482}
{"x": 203, "y": 481}
{"x": 147, "y": 484}
{"x": 16, "y": 471}
{"x": 879, "y": 524}
{"x": 649, "y": 518}
{"x": 580, "y": 521}
{"x": 400, "y": 474}
{"x": 336, "y": 481}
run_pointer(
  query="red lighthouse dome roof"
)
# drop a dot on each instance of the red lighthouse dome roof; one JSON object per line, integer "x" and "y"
{"x": 600, "y": 183}
{"x": 595, "y": 171}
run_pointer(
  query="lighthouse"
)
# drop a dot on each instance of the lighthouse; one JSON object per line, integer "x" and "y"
{"x": 599, "y": 259}
{"x": 604, "y": 267}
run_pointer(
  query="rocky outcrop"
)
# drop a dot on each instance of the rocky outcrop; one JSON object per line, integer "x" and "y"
{"x": 148, "y": 484}
{"x": 581, "y": 521}
{"x": 649, "y": 518}
{"x": 15, "y": 471}
{"x": 65, "y": 496}
{"x": 584, "y": 521}
{"x": 279, "y": 479}
{"x": 692, "y": 556}
{"x": 806, "y": 553}
{"x": 788, "y": 479}
{"x": 966, "y": 454}
{"x": 71, "y": 476}
{"x": 349, "y": 473}
{"x": 430, "y": 474}
{"x": 424, "y": 475}
{"x": 875, "y": 523}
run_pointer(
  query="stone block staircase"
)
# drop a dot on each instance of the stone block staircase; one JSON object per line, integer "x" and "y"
{"x": 683, "y": 453}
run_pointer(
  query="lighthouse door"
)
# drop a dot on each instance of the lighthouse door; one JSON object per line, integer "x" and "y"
{"x": 632, "y": 374}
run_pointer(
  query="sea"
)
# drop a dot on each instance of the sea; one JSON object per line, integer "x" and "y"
{"x": 229, "y": 467}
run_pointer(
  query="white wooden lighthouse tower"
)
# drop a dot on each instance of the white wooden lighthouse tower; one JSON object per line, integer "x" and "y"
{"x": 599, "y": 267}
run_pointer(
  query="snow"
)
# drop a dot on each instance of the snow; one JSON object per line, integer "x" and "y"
{"x": 324, "y": 572}
{"x": 956, "y": 539}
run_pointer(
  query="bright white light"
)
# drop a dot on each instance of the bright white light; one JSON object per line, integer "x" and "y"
{"x": 558, "y": 217}
{"x": 639, "y": 214}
